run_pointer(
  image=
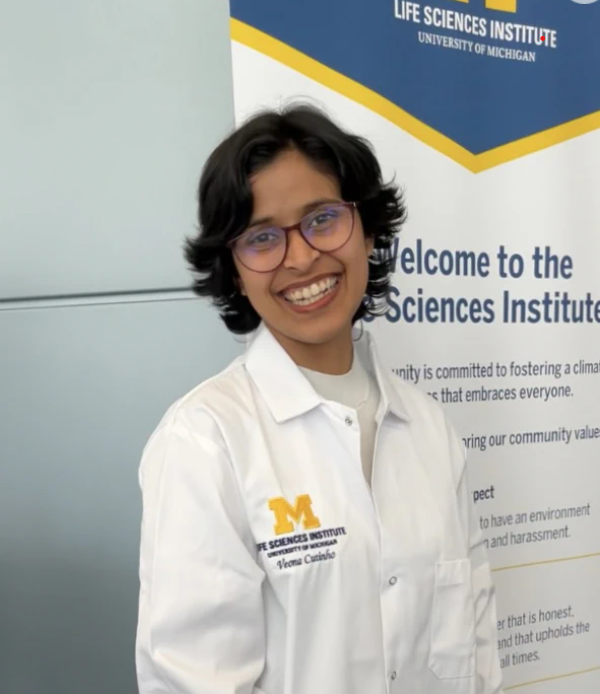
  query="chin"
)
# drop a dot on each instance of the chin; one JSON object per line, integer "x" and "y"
{"x": 327, "y": 331}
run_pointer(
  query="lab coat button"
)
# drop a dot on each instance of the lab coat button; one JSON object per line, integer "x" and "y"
{"x": 393, "y": 581}
{"x": 348, "y": 421}
{"x": 394, "y": 675}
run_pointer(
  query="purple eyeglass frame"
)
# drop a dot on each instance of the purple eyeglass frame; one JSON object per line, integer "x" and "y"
{"x": 293, "y": 227}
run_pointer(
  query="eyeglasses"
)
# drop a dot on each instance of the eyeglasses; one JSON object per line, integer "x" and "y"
{"x": 326, "y": 229}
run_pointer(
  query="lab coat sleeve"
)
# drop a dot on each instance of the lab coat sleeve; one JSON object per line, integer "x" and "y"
{"x": 200, "y": 623}
{"x": 489, "y": 674}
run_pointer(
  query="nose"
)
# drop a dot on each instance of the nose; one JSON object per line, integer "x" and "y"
{"x": 300, "y": 255}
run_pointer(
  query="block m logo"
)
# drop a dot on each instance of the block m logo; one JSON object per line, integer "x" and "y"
{"x": 302, "y": 511}
{"x": 501, "y": 5}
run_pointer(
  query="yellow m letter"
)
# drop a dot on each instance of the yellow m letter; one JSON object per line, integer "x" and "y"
{"x": 501, "y": 5}
{"x": 301, "y": 512}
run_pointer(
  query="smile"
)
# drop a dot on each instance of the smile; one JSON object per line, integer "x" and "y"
{"x": 312, "y": 293}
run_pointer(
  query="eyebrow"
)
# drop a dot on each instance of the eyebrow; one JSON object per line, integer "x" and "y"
{"x": 309, "y": 207}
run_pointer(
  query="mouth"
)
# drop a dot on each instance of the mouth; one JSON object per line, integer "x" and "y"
{"x": 312, "y": 294}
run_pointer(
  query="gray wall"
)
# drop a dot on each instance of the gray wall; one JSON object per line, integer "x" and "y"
{"x": 110, "y": 111}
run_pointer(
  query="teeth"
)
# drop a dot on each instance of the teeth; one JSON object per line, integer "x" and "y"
{"x": 312, "y": 290}
{"x": 312, "y": 294}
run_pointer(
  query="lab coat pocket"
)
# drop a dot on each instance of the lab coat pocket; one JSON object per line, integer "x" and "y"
{"x": 452, "y": 648}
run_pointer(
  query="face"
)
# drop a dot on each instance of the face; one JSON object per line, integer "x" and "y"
{"x": 283, "y": 193}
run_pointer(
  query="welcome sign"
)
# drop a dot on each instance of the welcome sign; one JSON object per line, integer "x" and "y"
{"x": 504, "y": 77}
{"x": 487, "y": 113}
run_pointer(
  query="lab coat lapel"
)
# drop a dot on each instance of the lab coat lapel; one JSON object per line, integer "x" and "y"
{"x": 285, "y": 390}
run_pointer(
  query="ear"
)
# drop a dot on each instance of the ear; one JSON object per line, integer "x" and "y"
{"x": 370, "y": 244}
{"x": 240, "y": 286}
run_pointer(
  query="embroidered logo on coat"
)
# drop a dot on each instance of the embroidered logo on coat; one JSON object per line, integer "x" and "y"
{"x": 307, "y": 547}
{"x": 302, "y": 511}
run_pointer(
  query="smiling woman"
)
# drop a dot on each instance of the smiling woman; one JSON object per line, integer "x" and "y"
{"x": 308, "y": 278}
{"x": 305, "y": 501}
{"x": 295, "y": 248}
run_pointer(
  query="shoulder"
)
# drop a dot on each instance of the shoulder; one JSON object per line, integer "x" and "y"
{"x": 421, "y": 407}
{"x": 197, "y": 413}
{"x": 431, "y": 427}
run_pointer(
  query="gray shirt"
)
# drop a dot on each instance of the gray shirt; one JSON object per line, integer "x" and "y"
{"x": 358, "y": 390}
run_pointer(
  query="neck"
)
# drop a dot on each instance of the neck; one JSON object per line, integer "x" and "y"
{"x": 333, "y": 357}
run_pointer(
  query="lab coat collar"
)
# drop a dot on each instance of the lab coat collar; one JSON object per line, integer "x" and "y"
{"x": 289, "y": 394}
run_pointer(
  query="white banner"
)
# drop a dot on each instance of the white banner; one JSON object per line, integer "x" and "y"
{"x": 487, "y": 114}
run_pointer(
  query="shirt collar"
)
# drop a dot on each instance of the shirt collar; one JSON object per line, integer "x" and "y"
{"x": 288, "y": 393}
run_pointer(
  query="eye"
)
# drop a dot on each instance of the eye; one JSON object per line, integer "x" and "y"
{"x": 263, "y": 237}
{"x": 323, "y": 218}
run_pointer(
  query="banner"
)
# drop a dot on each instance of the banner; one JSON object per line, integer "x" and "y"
{"x": 487, "y": 113}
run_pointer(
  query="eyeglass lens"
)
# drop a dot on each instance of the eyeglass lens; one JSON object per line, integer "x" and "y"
{"x": 325, "y": 229}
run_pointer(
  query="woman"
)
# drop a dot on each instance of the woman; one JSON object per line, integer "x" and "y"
{"x": 307, "y": 526}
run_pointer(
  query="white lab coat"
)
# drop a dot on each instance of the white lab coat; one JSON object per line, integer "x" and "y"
{"x": 268, "y": 565}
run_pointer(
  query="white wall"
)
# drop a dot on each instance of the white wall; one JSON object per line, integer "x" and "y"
{"x": 108, "y": 109}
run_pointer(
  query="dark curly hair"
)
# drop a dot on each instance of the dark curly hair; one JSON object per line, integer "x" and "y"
{"x": 225, "y": 203}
